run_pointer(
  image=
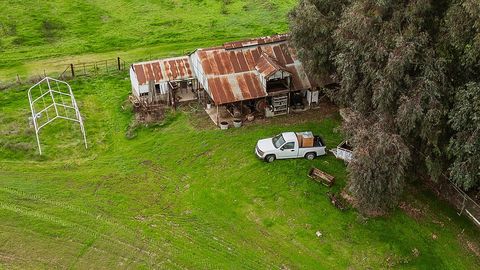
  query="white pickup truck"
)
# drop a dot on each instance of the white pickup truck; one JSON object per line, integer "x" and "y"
{"x": 290, "y": 145}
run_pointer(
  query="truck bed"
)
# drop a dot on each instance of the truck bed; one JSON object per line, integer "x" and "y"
{"x": 317, "y": 142}
{"x": 318, "y": 148}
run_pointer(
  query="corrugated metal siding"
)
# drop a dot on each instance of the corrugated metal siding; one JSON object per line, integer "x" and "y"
{"x": 229, "y": 73}
{"x": 134, "y": 82}
{"x": 234, "y": 72}
{"x": 267, "y": 66}
{"x": 198, "y": 70}
{"x": 163, "y": 70}
{"x": 255, "y": 41}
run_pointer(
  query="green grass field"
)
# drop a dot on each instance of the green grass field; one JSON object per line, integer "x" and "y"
{"x": 47, "y": 35}
{"x": 180, "y": 194}
{"x": 183, "y": 194}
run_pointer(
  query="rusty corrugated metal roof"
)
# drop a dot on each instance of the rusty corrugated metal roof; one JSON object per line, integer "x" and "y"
{"x": 233, "y": 71}
{"x": 255, "y": 41}
{"x": 267, "y": 65}
{"x": 163, "y": 70}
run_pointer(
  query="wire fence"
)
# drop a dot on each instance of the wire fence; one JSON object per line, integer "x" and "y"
{"x": 73, "y": 70}
{"x": 463, "y": 202}
{"x": 93, "y": 68}
{"x": 457, "y": 197}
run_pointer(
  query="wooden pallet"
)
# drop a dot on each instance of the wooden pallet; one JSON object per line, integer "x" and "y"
{"x": 321, "y": 177}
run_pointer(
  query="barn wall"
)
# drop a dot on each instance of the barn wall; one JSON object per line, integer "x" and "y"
{"x": 263, "y": 80}
{"x": 143, "y": 88}
{"x": 198, "y": 70}
{"x": 164, "y": 88}
{"x": 134, "y": 82}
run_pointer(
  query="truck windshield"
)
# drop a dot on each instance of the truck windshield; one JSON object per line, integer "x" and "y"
{"x": 278, "y": 141}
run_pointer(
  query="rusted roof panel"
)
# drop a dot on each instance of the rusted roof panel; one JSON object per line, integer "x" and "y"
{"x": 267, "y": 65}
{"x": 286, "y": 54}
{"x": 163, "y": 70}
{"x": 228, "y": 89}
{"x": 255, "y": 41}
{"x": 140, "y": 74}
{"x": 157, "y": 71}
{"x": 233, "y": 70}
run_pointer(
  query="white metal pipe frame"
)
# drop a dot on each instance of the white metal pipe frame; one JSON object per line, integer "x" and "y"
{"x": 55, "y": 99}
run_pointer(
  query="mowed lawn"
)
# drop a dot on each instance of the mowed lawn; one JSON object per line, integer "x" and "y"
{"x": 184, "y": 194}
{"x": 38, "y": 36}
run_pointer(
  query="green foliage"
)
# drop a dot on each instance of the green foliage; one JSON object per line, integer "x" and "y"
{"x": 312, "y": 23}
{"x": 377, "y": 173}
{"x": 461, "y": 44}
{"x": 398, "y": 63}
{"x": 461, "y": 40}
{"x": 465, "y": 145}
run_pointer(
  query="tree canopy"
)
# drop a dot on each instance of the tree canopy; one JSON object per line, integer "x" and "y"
{"x": 407, "y": 70}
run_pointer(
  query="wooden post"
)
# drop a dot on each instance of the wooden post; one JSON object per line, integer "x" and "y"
{"x": 118, "y": 63}
{"x": 173, "y": 101}
{"x": 218, "y": 122}
{"x": 264, "y": 109}
{"x": 72, "y": 70}
{"x": 241, "y": 109}
{"x": 310, "y": 102}
{"x": 18, "y": 78}
{"x": 288, "y": 101}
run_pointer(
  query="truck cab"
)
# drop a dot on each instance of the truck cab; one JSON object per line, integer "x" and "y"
{"x": 290, "y": 145}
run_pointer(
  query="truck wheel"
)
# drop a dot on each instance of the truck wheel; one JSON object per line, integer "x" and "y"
{"x": 310, "y": 156}
{"x": 270, "y": 158}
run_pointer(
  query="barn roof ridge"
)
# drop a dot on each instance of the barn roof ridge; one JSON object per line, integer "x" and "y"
{"x": 231, "y": 72}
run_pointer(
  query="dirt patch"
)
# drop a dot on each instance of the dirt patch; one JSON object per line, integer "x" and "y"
{"x": 200, "y": 120}
{"x": 411, "y": 210}
{"x": 469, "y": 245}
{"x": 154, "y": 167}
{"x": 6, "y": 258}
{"x": 349, "y": 198}
{"x": 474, "y": 248}
{"x": 325, "y": 109}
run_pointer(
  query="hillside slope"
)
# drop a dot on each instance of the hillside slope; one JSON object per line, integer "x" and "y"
{"x": 44, "y": 35}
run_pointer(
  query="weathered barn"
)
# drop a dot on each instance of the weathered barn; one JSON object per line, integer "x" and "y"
{"x": 161, "y": 80}
{"x": 261, "y": 75}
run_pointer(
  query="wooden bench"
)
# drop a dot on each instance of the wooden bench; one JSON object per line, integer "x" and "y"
{"x": 321, "y": 177}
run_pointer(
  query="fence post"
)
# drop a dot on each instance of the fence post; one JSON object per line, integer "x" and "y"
{"x": 118, "y": 63}
{"x": 72, "y": 70}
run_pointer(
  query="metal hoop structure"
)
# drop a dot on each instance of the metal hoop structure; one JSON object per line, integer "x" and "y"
{"x": 48, "y": 104}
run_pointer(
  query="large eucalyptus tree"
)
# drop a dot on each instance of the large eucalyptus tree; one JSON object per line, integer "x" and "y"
{"x": 400, "y": 66}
